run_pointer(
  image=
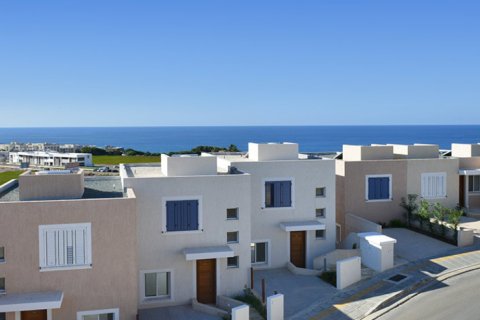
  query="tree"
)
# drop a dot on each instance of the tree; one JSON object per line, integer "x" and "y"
{"x": 454, "y": 217}
{"x": 410, "y": 205}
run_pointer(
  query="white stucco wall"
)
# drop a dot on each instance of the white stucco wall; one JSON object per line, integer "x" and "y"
{"x": 164, "y": 251}
{"x": 306, "y": 176}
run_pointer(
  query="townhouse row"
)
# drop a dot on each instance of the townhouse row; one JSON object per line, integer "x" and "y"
{"x": 74, "y": 247}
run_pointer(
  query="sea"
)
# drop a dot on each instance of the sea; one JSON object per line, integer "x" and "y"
{"x": 310, "y": 138}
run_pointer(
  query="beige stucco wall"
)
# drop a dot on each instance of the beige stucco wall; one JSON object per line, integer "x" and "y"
{"x": 112, "y": 280}
{"x": 416, "y": 151}
{"x": 373, "y": 152}
{"x": 416, "y": 167}
{"x": 354, "y": 188}
{"x": 48, "y": 187}
{"x": 306, "y": 175}
{"x": 164, "y": 251}
{"x": 469, "y": 163}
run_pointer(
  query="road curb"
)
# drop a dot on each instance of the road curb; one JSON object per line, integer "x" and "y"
{"x": 406, "y": 294}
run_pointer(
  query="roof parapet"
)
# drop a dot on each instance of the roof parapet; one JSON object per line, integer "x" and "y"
{"x": 272, "y": 151}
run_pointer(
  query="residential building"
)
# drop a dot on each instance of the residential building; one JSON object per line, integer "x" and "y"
{"x": 469, "y": 171}
{"x": 51, "y": 159}
{"x": 372, "y": 180}
{"x": 193, "y": 230}
{"x": 68, "y": 248}
{"x": 292, "y": 203}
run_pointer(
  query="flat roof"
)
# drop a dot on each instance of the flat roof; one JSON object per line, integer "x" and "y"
{"x": 95, "y": 188}
{"x": 155, "y": 171}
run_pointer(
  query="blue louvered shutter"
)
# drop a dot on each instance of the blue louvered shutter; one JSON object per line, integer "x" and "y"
{"x": 277, "y": 194}
{"x": 192, "y": 214}
{"x": 285, "y": 193}
{"x": 171, "y": 216}
{"x": 384, "y": 188}
{"x": 378, "y": 188}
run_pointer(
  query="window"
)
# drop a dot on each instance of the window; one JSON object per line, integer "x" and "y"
{"x": 320, "y": 192}
{"x": 157, "y": 285}
{"x": 182, "y": 215}
{"x": 434, "y": 185}
{"x": 278, "y": 194}
{"x": 320, "y": 234}
{"x": 259, "y": 252}
{"x": 232, "y": 262}
{"x": 3, "y": 316}
{"x": 379, "y": 187}
{"x": 110, "y": 314}
{"x": 474, "y": 183}
{"x": 232, "y": 237}
{"x": 2, "y": 255}
{"x": 320, "y": 212}
{"x": 2, "y": 285}
{"x": 65, "y": 246}
{"x": 232, "y": 214}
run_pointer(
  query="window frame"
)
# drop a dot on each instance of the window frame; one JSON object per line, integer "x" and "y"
{"x": 237, "y": 238}
{"x": 4, "y": 290}
{"x": 433, "y": 174}
{"x": 164, "y": 214}
{"x": 324, "y": 234}
{"x": 67, "y": 226}
{"x": 2, "y": 257}
{"x": 236, "y": 266}
{"x": 324, "y": 194}
{"x": 474, "y": 177}
{"x": 168, "y": 297}
{"x": 292, "y": 193}
{"x": 236, "y": 213}
{"x": 267, "y": 252}
{"x": 323, "y": 216}
{"x": 115, "y": 311}
{"x": 390, "y": 193}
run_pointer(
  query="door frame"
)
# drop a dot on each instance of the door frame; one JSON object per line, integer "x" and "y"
{"x": 289, "y": 238}
{"x": 18, "y": 314}
{"x": 217, "y": 277}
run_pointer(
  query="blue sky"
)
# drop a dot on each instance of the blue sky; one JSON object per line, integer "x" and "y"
{"x": 136, "y": 63}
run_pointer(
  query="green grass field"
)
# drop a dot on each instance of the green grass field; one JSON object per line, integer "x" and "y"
{"x": 114, "y": 160}
{"x": 9, "y": 175}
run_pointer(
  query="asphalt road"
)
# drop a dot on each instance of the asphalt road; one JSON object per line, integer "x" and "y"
{"x": 458, "y": 298}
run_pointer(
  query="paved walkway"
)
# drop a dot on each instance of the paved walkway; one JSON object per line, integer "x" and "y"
{"x": 367, "y": 296}
{"x": 299, "y": 291}
{"x": 185, "y": 312}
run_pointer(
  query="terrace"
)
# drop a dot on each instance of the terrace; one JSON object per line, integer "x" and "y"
{"x": 94, "y": 188}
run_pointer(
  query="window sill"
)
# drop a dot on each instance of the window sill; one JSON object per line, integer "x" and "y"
{"x": 433, "y": 198}
{"x": 233, "y": 267}
{"x": 320, "y": 238}
{"x": 233, "y": 242}
{"x": 277, "y": 208}
{"x": 182, "y": 232}
{"x": 230, "y": 219}
{"x": 48, "y": 269}
{"x": 379, "y": 200}
{"x": 157, "y": 299}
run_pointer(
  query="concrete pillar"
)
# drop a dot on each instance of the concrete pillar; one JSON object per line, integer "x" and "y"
{"x": 17, "y": 315}
{"x": 241, "y": 313}
{"x": 49, "y": 314}
{"x": 466, "y": 195}
{"x": 275, "y": 309}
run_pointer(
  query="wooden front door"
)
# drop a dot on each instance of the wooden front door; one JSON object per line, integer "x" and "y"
{"x": 207, "y": 281}
{"x": 34, "y": 315}
{"x": 297, "y": 248}
{"x": 461, "y": 196}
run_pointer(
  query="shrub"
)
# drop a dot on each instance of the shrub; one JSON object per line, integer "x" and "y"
{"x": 397, "y": 223}
{"x": 249, "y": 298}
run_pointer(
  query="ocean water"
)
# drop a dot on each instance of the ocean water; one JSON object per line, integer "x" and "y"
{"x": 310, "y": 138}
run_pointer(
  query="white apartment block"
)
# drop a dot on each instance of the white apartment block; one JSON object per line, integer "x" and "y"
{"x": 50, "y": 159}
{"x": 292, "y": 203}
{"x": 193, "y": 230}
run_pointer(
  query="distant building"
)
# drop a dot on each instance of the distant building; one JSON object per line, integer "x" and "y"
{"x": 41, "y": 146}
{"x": 50, "y": 159}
